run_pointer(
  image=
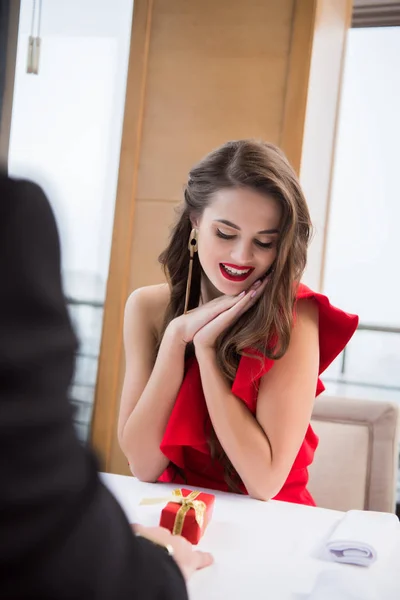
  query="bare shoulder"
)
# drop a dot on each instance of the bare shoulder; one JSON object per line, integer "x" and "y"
{"x": 149, "y": 305}
{"x": 307, "y": 311}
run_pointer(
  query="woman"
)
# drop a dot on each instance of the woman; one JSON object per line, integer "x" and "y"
{"x": 222, "y": 363}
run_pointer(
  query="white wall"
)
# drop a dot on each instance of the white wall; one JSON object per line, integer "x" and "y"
{"x": 363, "y": 253}
{"x": 67, "y": 123}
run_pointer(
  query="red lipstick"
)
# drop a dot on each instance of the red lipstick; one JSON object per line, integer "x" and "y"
{"x": 229, "y": 273}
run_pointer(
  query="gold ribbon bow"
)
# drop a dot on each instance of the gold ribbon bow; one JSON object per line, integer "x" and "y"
{"x": 187, "y": 503}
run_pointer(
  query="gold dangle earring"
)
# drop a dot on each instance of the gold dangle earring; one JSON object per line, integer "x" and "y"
{"x": 192, "y": 246}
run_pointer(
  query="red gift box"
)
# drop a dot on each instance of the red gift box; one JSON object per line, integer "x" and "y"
{"x": 189, "y": 515}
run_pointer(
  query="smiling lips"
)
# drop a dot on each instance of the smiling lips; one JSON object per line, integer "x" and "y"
{"x": 234, "y": 272}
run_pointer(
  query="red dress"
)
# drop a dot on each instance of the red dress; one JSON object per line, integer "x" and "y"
{"x": 185, "y": 440}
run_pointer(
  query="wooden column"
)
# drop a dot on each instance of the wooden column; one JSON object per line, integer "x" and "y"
{"x": 202, "y": 73}
{"x": 332, "y": 20}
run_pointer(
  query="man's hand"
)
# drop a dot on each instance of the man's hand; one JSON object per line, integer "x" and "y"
{"x": 188, "y": 559}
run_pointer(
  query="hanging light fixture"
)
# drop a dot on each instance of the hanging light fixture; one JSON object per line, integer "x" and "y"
{"x": 34, "y": 42}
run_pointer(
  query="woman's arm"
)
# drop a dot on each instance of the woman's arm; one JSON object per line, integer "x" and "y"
{"x": 263, "y": 448}
{"x": 150, "y": 387}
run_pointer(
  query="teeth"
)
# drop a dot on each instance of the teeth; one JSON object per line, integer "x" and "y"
{"x": 232, "y": 271}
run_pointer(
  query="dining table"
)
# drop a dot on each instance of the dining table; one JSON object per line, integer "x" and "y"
{"x": 266, "y": 550}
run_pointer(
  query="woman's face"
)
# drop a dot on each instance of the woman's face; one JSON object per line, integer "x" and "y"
{"x": 237, "y": 240}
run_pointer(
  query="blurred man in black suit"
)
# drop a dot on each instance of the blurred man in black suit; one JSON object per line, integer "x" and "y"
{"x": 62, "y": 534}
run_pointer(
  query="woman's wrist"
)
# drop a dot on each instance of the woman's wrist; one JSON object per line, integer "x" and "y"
{"x": 205, "y": 352}
{"x": 174, "y": 333}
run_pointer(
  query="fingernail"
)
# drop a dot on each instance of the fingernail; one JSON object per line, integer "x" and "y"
{"x": 257, "y": 284}
{"x": 253, "y": 293}
{"x": 241, "y": 294}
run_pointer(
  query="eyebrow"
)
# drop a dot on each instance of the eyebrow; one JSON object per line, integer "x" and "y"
{"x": 230, "y": 224}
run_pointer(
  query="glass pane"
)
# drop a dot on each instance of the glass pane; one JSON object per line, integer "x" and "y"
{"x": 66, "y": 135}
{"x": 361, "y": 270}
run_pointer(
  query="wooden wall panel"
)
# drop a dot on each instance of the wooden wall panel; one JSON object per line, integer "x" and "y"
{"x": 297, "y": 89}
{"x": 217, "y": 71}
{"x": 150, "y": 236}
{"x": 118, "y": 286}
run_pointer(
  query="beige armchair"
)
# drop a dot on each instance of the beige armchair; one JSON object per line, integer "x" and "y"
{"x": 355, "y": 466}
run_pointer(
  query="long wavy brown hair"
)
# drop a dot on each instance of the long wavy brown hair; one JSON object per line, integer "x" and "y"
{"x": 267, "y": 326}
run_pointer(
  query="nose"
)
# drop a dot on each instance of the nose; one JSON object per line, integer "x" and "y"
{"x": 242, "y": 253}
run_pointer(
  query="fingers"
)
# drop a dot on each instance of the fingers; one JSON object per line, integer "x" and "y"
{"x": 221, "y": 311}
{"x": 225, "y": 317}
{"x": 202, "y": 559}
{"x": 160, "y": 534}
{"x": 257, "y": 289}
{"x": 221, "y": 305}
{"x": 252, "y": 293}
{"x": 251, "y": 297}
{"x": 224, "y": 302}
{"x": 188, "y": 559}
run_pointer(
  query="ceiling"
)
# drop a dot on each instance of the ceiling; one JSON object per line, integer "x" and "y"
{"x": 374, "y": 2}
{"x": 376, "y": 13}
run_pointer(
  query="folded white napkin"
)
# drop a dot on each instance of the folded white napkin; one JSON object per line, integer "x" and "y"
{"x": 363, "y": 536}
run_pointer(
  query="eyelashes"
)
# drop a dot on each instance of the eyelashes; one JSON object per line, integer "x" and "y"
{"x": 264, "y": 245}
{"x": 224, "y": 236}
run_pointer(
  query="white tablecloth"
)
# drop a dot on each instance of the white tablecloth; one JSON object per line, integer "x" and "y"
{"x": 266, "y": 550}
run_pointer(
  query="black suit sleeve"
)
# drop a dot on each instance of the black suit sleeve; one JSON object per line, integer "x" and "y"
{"x": 62, "y": 534}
